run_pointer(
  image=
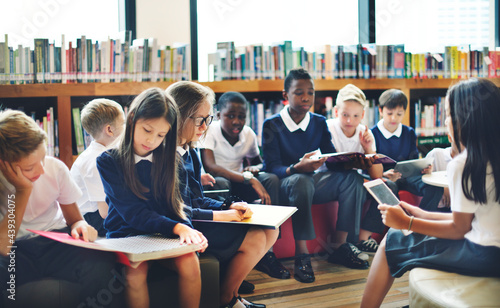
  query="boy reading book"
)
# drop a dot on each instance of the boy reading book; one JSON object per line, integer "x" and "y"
{"x": 38, "y": 193}
{"x": 349, "y": 135}
{"x": 399, "y": 142}
{"x": 290, "y": 139}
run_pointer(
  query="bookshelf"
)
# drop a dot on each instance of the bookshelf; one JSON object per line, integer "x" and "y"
{"x": 63, "y": 94}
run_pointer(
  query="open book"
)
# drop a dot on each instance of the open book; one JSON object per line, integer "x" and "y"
{"x": 129, "y": 249}
{"x": 412, "y": 167}
{"x": 271, "y": 216}
{"x": 344, "y": 157}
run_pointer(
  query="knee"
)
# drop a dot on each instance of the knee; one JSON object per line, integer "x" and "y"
{"x": 188, "y": 265}
{"x": 137, "y": 278}
{"x": 222, "y": 183}
{"x": 255, "y": 240}
{"x": 301, "y": 183}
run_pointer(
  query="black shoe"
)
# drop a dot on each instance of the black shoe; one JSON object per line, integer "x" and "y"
{"x": 303, "y": 269}
{"x": 234, "y": 303}
{"x": 368, "y": 246}
{"x": 246, "y": 287}
{"x": 347, "y": 255}
{"x": 250, "y": 304}
{"x": 270, "y": 265}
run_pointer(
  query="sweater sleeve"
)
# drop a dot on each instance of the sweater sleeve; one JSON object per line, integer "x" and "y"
{"x": 133, "y": 210}
{"x": 271, "y": 150}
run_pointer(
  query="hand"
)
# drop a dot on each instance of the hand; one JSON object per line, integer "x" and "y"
{"x": 446, "y": 197}
{"x": 15, "y": 176}
{"x": 427, "y": 170}
{"x": 308, "y": 165}
{"x": 392, "y": 175}
{"x": 363, "y": 163}
{"x": 190, "y": 236}
{"x": 254, "y": 169}
{"x": 412, "y": 210}
{"x": 81, "y": 229}
{"x": 207, "y": 179}
{"x": 261, "y": 191}
{"x": 394, "y": 216}
{"x": 228, "y": 215}
{"x": 243, "y": 208}
{"x": 366, "y": 140}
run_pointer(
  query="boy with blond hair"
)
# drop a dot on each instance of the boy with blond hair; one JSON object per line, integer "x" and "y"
{"x": 104, "y": 120}
{"x": 349, "y": 135}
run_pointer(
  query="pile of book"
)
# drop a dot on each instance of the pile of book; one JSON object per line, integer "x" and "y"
{"x": 362, "y": 61}
{"x": 85, "y": 61}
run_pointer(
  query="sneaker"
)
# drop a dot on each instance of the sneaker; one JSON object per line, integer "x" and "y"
{"x": 303, "y": 269}
{"x": 270, "y": 265}
{"x": 348, "y": 255}
{"x": 370, "y": 245}
{"x": 246, "y": 287}
{"x": 249, "y": 304}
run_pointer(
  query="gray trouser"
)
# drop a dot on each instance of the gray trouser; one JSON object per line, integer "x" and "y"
{"x": 302, "y": 190}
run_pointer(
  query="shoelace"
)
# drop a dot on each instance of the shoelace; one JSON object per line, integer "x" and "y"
{"x": 355, "y": 249}
{"x": 371, "y": 243}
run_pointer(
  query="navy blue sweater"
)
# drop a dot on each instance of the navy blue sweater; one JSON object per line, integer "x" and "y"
{"x": 199, "y": 206}
{"x": 281, "y": 148}
{"x": 129, "y": 214}
{"x": 399, "y": 149}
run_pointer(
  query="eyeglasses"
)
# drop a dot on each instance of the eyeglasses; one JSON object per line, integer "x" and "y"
{"x": 198, "y": 121}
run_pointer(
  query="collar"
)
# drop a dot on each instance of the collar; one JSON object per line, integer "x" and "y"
{"x": 181, "y": 150}
{"x": 290, "y": 124}
{"x": 138, "y": 158}
{"x": 387, "y": 134}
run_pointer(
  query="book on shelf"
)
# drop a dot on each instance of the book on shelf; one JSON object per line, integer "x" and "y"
{"x": 130, "y": 250}
{"x": 77, "y": 125}
{"x": 345, "y": 157}
{"x": 86, "y": 61}
{"x": 362, "y": 61}
{"x": 270, "y": 216}
{"x": 412, "y": 167}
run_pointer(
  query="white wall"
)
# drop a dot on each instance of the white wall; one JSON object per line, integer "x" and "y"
{"x": 166, "y": 20}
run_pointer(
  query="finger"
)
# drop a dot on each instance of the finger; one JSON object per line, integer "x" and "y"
{"x": 74, "y": 234}
{"x": 85, "y": 234}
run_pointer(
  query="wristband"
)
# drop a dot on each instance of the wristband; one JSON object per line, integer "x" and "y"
{"x": 411, "y": 222}
{"x": 292, "y": 169}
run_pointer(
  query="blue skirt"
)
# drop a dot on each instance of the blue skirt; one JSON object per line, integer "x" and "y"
{"x": 458, "y": 256}
{"x": 224, "y": 239}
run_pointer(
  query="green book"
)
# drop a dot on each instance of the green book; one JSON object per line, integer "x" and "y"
{"x": 77, "y": 124}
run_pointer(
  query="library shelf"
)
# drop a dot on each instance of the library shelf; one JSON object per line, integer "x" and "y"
{"x": 63, "y": 94}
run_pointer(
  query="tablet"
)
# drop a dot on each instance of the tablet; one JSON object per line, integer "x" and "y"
{"x": 383, "y": 194}
{"x": 412, "y": 167}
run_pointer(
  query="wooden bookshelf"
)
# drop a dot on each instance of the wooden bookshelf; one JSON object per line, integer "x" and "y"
{"x": 64, "y": 92}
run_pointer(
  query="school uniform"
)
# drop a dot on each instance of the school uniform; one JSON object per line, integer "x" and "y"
{"x": 285, "y": 143}
{"x": 86, "y": 176}
{"x": 401, "y": 145}
{"x": 37, "y": 257}
{"x": 476, "y": 255}
{"x": 224, "y": 240}
{"x": 231, "y": 157}
{"x": 372, "y": 221}
{"x": 128, "y": 214}
{"x": 441, "y": 158}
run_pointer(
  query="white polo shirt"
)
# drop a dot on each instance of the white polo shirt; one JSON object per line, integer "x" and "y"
{"x": 343, "y": 143}
{"x": 485, "y": 228}
{"x": 226, "y": 155}
{"x": 441, "y": 158}
{"x": 84, "y": 172}
{"x": 54, "y": 187}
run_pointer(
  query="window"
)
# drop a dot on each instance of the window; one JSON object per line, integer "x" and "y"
{"x": 24, "y": 20}
{"x": 429, "y": 25}
{"x": 309, "y": 24}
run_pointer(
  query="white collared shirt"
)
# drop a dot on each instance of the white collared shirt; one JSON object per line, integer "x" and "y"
{"x": 84, "y": 172}
{"x": 290, "y": 124}
{"x": 387, "y": 134}
{"x": 342, "y": 143}
{"x": 138, "y": 158}
{"x": 227, "y": 155}
{"x": 181, "y": 150}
